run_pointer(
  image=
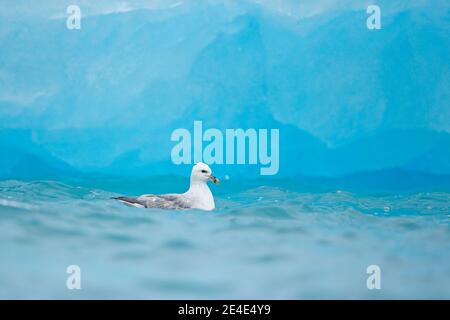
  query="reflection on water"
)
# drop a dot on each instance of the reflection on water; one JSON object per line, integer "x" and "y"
{"x": 263, "y": 242}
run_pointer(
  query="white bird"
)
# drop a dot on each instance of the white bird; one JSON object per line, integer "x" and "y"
{"x": 197, "y": 197}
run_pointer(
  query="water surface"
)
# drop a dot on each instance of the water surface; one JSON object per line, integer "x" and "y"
{"x": 261, "y": 242}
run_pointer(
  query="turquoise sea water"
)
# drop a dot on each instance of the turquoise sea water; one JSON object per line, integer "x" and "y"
{"x": 260, "y": 242}
{"x": 364, "y": 148}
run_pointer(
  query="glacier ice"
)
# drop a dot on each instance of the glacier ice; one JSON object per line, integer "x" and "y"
{"x": 107, "y": 97}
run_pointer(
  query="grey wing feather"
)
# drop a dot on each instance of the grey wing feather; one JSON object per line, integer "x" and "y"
{"x": 164, "y": 201}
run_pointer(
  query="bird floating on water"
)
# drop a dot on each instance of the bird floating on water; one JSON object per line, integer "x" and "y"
{"x": 199, "y": 196}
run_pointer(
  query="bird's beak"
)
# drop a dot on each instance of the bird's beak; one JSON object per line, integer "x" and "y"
{"x": 214, "y": 179}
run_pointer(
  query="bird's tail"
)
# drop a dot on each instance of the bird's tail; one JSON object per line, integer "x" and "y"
{"x": 130, "y": 201}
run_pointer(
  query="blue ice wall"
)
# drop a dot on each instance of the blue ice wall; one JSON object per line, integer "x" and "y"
{"x": 106, "y": 98}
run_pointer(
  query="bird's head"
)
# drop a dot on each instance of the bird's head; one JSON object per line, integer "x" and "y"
{"x": 201, "y": 172}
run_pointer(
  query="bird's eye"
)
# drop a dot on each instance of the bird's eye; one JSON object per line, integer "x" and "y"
{"x": 204, "y": 171}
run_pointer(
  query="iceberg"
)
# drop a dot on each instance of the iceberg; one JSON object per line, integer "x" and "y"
{"x": 107, "y": 97}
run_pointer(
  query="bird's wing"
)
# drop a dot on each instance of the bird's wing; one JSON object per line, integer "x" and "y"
{"x": 164, "y": 201}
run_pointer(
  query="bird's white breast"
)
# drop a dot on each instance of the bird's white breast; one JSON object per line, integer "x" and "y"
{"x": 200, "y": 197}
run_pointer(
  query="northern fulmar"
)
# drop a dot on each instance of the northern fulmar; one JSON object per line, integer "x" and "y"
{"x": 197, "y": 197}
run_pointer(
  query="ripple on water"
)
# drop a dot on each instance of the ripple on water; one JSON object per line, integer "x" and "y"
{"x": 267, "y": 242}
{"x": 121, "y": 238}
{"x": 261, "y": 212}
{"x": 179, "y": 244}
